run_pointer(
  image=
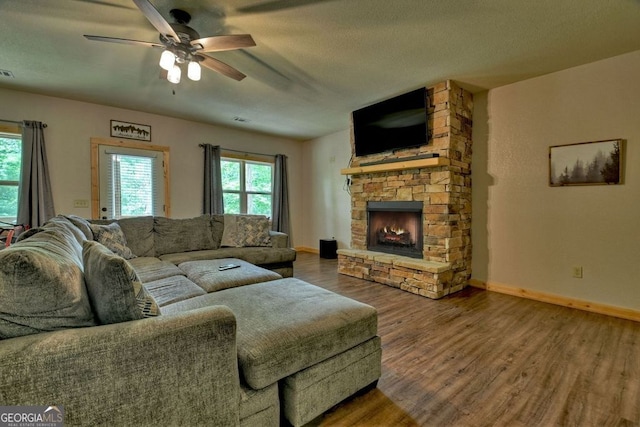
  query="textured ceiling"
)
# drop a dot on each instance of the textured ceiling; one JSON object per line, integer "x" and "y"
{"x": 315, "y": 60}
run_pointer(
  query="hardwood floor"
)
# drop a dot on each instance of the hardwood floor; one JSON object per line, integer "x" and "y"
{"x": 479, "y": 358}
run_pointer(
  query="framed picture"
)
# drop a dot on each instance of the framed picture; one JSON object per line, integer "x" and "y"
{"x": 130, "y": 130}
{"x": 587, "y": 163}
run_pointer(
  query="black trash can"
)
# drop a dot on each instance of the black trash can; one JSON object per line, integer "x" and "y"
{"x": 328, "y": 248}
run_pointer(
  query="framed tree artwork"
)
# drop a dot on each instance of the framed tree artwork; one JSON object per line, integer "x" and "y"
{"x": 586, "y": 163}
{"x": 130, "y": 130}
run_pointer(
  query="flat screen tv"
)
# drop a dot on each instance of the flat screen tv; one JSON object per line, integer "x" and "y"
{"x": 399, "y": 122}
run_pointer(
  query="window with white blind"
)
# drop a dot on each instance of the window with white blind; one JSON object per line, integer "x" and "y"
{"x": 130, "y": 187}
{"x": 132, "y": 182}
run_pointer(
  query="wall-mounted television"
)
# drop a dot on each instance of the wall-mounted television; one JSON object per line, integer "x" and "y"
{"x": 395, "y": 123}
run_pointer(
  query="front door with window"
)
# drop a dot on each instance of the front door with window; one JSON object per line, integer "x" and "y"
{"x": 131, "y": 180}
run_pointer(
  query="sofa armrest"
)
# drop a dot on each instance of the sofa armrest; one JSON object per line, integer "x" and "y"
{"x": 177, "y": 369}
{"x": 278, "y": 239}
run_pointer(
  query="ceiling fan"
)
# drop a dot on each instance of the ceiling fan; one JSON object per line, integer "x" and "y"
{"x": 183, "y": 44}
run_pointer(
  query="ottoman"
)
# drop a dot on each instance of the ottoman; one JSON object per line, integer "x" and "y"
{"x": 207, "y": 275}
{"x": 319, "y": 346}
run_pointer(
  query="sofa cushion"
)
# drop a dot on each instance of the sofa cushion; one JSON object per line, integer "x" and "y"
{"x": 82, "y": 224}
{"x": 230, "y": 236}
{"x": 42, "y": 286}
{"x": 278, "y": 239}
{"x": 115, "y": 291}
{"x": 257, "y": 256}
{"x": 183, "y": 235}
{"x": 138, "y": 231}
{"x": 149, "y": 269}
{"x": 309, "y": 392}
{"x": 172, "y": 289}
{"x": 217, "y": 224}
{"x": 112, "y": 237}
{"x": 207, "y": 275}
{"x": 61, "y": 222}
{"x": 287, "y": 325}
{"x": 259, "y": 407}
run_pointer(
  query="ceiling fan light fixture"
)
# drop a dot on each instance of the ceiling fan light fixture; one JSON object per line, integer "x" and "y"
{"x": 174, "y": 74}
{"x": 167, "y": 60}
{"x": 182, "y": 44}
{"x": 194, "y": 71}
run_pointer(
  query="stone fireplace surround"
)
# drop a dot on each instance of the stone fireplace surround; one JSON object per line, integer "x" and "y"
{"x": 442, "y": 183}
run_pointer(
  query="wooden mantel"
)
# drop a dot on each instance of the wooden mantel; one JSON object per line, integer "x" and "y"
{"x": 396, "y": 166}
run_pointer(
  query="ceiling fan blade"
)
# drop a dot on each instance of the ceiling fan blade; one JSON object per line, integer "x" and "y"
{"x": 219, "y": 43}
{"x": 123, "y": 41}
{"x": 106, "y": 3}
{"x": 220, "y": 67}
{"x": 275, "y": 5}
{"x": 156, "y": 19}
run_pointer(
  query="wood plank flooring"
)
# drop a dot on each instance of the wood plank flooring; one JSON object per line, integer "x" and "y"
{"x": 479, "y": 358}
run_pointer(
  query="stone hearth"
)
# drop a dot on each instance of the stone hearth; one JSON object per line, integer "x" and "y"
{"x": 443, "y": 184}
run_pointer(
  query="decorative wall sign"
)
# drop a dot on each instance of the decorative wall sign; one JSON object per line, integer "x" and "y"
{"x": 587, "y": 163}
{"x": 130, "y": 130}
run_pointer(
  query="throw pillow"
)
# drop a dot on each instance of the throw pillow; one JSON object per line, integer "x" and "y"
{"x": 230, "y": 235}
{"x": 115, "y": 291}
{"x": 111, "y": 236}
{"x": 254, "y": 230}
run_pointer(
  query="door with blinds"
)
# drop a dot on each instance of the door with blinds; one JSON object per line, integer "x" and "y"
{"x": 131, "y": 182}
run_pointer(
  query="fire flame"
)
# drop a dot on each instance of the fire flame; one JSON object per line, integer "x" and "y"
{"x": 394, "y": 230}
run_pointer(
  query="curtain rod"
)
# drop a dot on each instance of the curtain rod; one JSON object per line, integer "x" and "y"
{"x": 18, "y": 123}
{"x": 242, "y": 152}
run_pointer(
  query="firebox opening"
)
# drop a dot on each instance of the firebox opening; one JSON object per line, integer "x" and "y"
{"x": 395, "y": 227}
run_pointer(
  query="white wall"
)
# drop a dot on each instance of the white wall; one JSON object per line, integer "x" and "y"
{"x": 71, "y": 124}
{"x": 327, "y": 205}
{"x": 529, "y": 235}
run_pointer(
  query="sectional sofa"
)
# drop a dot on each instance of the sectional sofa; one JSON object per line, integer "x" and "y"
{"x": 133, "y": 323}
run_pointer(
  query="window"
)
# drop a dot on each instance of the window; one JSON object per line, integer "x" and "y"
{"x": 129, "y": 185}
{"x": 10, "y": 168}
{"x": 247, "y": 186}
{"x": 131, "y": 178}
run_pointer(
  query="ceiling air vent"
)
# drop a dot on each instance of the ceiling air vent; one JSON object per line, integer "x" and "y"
{"x": 6, "y": 73}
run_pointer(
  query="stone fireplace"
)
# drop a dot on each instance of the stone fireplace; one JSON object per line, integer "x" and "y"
{"x": 434, "y": 260}
{"x": 395, "y": 228}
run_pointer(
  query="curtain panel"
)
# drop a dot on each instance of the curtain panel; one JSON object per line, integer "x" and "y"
{"x": 212, "y": 200}
{"x": 280, "y": 211}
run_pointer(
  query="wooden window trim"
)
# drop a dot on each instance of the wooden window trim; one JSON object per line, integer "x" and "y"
{"x": 95, "y": 170}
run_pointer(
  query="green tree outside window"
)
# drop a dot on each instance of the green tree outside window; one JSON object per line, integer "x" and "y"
{"x": 10, "y": 166}
{"x": 247, "y": 186}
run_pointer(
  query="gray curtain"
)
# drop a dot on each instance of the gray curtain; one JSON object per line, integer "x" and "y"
{"x": 280, "y": 209}
{"x": 35, "y": 200}
{"x": 212, "y": 201}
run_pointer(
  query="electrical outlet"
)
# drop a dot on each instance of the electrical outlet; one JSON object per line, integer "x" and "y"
{"x": 80, "y": 203}
{"x": 577, "y": 272}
